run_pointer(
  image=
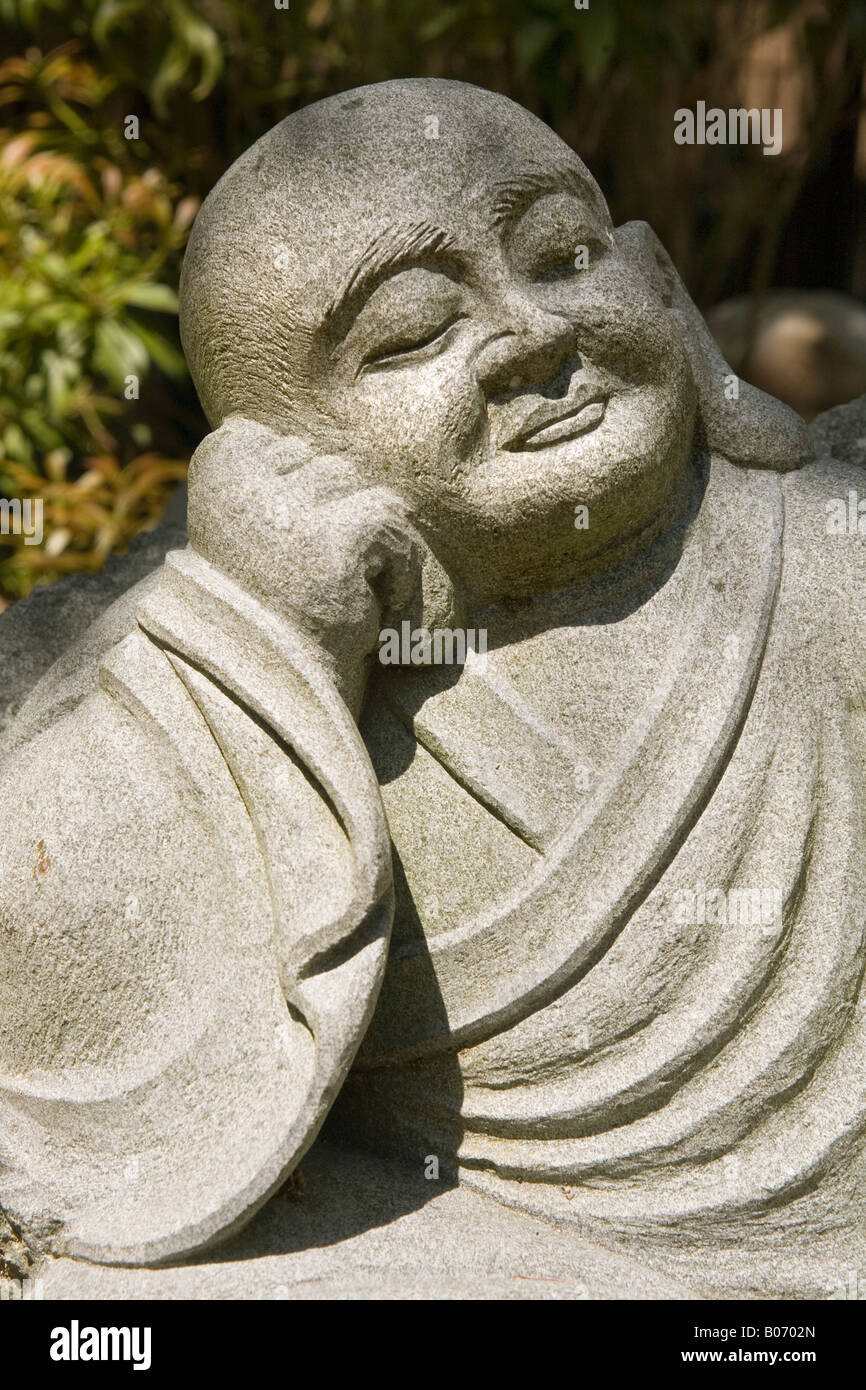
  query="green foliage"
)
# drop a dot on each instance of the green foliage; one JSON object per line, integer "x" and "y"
{"x": 87, "y": 245}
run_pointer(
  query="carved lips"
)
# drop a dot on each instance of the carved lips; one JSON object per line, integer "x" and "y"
{"x": 551, "y": 424}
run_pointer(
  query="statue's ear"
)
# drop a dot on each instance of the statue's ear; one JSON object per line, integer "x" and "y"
{"x": 738, "y": 421}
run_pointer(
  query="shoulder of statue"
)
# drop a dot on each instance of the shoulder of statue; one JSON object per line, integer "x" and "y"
{"x": 840, "y": 433}
{"x": 825, "y": 515}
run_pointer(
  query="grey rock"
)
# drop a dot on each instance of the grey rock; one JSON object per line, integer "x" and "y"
{"x": 622, "y": 851}
{"x": 809, "y": 346}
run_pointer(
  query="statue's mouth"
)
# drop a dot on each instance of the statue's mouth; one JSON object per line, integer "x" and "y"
{"x": 547, "y": 426}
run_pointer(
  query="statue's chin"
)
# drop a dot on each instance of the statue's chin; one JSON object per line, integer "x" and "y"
{"x": 546, "y": 538}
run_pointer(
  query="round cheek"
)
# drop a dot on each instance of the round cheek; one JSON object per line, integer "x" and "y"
{"x": 424, "y": 421}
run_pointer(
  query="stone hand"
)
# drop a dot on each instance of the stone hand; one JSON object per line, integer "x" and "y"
{"x": 338, "y": 557}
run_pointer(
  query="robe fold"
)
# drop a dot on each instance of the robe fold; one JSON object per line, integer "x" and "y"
{"x": 196, "y": 901}
{"x": 656, "y": 1028}
{"x": 623, "y": 991}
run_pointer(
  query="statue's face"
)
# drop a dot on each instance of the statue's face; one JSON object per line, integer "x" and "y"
{"x": 475, "y": 338}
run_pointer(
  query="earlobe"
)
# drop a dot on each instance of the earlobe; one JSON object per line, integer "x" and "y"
{"x": 736, "y": 420}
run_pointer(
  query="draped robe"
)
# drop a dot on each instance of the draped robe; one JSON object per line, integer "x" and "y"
{"x": 196, "y": 902}
{"x": 692, "y": 1089}
{"x": 688, "y": 1086}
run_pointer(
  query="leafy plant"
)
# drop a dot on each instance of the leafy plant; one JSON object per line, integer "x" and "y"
{"x": 88, "y": 249}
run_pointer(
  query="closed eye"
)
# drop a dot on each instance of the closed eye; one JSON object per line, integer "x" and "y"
{"x": 556, "y": 272}
{"x": 567, "y": 262}
{"x": 397, "y": 356}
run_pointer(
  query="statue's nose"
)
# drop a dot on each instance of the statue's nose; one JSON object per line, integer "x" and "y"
{"x": 531, "y": 347}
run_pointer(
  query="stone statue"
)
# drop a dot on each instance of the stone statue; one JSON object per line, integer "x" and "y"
{"x": 623, "y": 853}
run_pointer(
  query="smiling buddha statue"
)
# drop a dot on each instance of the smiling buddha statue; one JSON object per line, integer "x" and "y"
{"x": 582, "y": 918}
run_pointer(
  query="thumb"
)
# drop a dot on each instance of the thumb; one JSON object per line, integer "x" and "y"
{"x": 403, "y": 571}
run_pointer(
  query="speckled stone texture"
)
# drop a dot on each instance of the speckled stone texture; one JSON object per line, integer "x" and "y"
{"x": 579, "y": 928}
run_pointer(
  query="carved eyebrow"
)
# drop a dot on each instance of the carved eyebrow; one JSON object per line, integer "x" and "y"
{"x": 394, "y": 249}
{"x": 512, "y": 196}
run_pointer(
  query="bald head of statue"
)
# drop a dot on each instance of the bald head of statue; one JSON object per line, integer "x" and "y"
{"x": 420, "y": 276}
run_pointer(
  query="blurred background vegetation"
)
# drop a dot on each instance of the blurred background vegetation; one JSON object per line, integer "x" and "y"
{"x": 97, "y": 414}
